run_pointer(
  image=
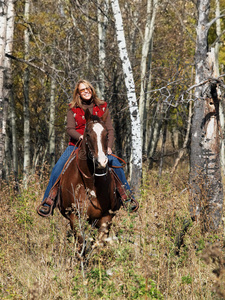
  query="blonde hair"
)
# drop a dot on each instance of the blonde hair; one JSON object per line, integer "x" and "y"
{"x": 77, "y": 101}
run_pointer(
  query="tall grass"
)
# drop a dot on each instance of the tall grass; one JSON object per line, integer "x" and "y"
{"x": 39, "y": 258}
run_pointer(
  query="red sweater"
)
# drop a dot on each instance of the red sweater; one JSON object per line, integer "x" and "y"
{"x": 76, "y": 122}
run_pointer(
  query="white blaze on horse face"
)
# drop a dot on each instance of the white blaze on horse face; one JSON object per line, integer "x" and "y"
{"x": 102, "y": 158}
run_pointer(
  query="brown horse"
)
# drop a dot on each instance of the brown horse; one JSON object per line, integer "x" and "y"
{"x": 87, "y": 186}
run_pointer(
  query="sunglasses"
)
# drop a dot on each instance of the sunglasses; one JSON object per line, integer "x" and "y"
{"x": 88, "y": 89}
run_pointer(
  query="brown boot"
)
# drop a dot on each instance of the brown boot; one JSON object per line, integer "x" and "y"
{"x": 128, "y": 201}
{"x": 45, "y": 209}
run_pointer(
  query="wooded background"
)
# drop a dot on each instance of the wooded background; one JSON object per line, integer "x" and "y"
{"x": 47, "y": 46}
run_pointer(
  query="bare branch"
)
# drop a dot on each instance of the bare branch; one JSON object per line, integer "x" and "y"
{"x": 214, "y": 20}
{"x": 181, "y": 21}
{"x": 27, "y": 62}
{"x": 217, "y": 40}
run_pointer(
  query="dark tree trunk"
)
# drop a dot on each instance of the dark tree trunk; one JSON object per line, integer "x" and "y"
{"x": 206, "y": 191}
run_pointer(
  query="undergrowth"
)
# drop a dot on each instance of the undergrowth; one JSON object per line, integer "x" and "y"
{"x": 39, "y": 259}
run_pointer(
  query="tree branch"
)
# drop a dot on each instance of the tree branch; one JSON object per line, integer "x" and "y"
{"x": 27, "y": 63}
{"x": 181, "y": 21}
{"x": 48, "y": 72}
{"x": 214, "y": 20}
{"x": 217, "y": 39}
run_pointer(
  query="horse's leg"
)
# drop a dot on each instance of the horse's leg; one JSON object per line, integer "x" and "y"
{"x": 104, "y": 225}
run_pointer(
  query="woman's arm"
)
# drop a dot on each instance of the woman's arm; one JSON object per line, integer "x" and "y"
{"x": 110, "y": 130}
{"x": 71, "y": 126}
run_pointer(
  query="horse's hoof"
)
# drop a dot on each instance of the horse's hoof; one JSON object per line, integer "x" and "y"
{"x": 97, "y": 244}
{"x": 108, "y": 240}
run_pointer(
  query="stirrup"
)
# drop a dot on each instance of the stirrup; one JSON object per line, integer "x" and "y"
{"x": 50, "y": 203}
{"x": 123, "y": 194}
{"x": 131, "y": 204}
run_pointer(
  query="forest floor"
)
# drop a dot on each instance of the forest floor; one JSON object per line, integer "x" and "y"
{"x": 39, "y": 259}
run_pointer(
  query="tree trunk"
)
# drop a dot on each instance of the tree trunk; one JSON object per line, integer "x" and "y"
{"x": 136, "y": 142}
{"x": 154, "y": 130}
{"x": 163, "y": 144}
{"x": 187, "y": 136}
{"x": 52, "y": 125}
{"x": 182, "y": 151}
{"x": 3, "y": 26}
{"x": 217, "y": 72}
{"x": 8, "y": 90}
{"x": 146, "y": 59}
{"x": 14, "y": 138}
{"x": 26, "y": 163}
{"x": 206, "y": 191}
{"x": 103, "y": 7}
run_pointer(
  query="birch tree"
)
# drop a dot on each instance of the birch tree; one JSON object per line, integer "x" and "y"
{"x": 52, "y": 124}
{"x": 8, "y": 91}
{"x": 102, "y": 12}
{"x": 146, "y": 59}
{"x": 206, "y": 191}
{"x": 136, "y": 142}
{"x": 26, "y": 163}
{"x": 3, "y": 26}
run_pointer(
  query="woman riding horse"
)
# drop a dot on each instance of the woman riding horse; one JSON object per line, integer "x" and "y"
{"x": 84, "y": 97}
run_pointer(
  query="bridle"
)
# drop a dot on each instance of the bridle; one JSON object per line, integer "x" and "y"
{"x": 90, "y": 151}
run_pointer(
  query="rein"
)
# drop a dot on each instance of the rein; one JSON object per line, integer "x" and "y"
{"x": 123, "y": 161}
{"x": 77, "y": 153}
{"x": 79, "y": 143}
{"x": 86, "y": 176}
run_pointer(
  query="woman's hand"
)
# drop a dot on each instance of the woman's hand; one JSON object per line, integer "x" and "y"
{"x": 81, "y": 137}
{"x": 109, "y": 150}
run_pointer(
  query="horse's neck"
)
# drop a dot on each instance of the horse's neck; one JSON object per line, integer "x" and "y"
{"x": 84, "y": 161}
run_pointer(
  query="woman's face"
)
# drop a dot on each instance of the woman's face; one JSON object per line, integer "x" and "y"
{"x": 85, "y": 92}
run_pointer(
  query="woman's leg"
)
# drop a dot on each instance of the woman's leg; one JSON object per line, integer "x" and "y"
{"x": 56, "y": 171}
{"x": 113, "y": 161}
{"x": 129, "y": 198}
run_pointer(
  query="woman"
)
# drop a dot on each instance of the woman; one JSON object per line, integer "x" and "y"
{"x": 84, "y": 97}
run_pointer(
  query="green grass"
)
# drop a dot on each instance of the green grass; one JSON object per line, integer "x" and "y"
{"x": 39, "y": 259}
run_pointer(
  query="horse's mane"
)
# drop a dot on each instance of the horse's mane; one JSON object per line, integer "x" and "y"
{"x": 95, "y": 118}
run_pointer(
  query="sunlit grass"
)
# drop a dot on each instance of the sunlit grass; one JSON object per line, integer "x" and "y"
{"x": 39, "y": 259}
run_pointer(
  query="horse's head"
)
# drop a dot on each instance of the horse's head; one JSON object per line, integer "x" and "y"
{"x": 96, "y": 139}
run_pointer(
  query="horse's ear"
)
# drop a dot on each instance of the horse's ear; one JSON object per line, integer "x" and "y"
{"x": 105, "y": 115}
{"x": 87, "y": 115}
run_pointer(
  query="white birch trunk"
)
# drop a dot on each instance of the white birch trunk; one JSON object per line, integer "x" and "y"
{"x": 152, "y": 6}
{"x": 136, "y": 142}
{"x": 103, "y": 7}
{"x": 3, "y": 22}
{"x": 63, "y": 140}
{"x": 7, "y": 158}
{"x": 154, "y": 130}
{"x": 26, "y": 164}
{"x": 14, "y": 139}
{"x": 8, "y": 95}
{"x": 52, "y": 124}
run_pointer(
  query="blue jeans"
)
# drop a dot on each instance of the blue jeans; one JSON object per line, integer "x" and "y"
{"x": 56, "y": 171}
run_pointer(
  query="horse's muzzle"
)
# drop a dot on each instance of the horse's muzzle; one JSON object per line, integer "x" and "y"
{"x": 101, "y": 162}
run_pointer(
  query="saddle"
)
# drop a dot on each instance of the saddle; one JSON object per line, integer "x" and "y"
{"x": 54, "y": 196}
